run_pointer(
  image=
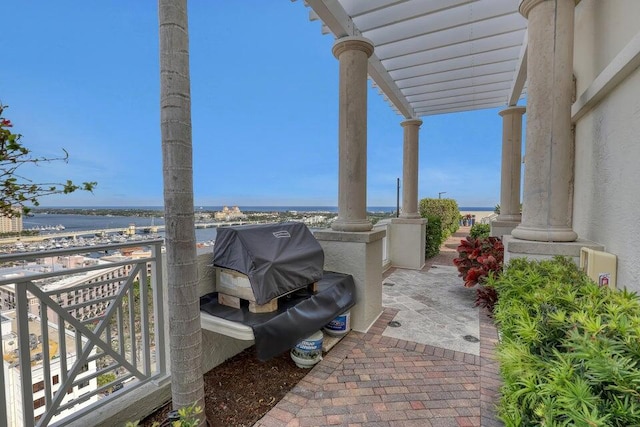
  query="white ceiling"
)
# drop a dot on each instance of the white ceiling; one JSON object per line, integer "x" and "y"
{"x": 436, "y": 56}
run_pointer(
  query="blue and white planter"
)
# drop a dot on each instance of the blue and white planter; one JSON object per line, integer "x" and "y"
{"x": 339, "y": 326}
{"x": 308, "y": 352}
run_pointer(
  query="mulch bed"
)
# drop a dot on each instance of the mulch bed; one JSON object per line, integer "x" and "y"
{"x": 242, "y": 389}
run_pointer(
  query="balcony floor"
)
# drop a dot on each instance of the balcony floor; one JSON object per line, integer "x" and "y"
{"x": 422, "y": 373}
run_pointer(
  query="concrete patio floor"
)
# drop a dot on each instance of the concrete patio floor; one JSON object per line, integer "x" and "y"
{"x": 427, "y": 372}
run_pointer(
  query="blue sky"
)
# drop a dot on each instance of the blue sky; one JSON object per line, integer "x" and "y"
{"x": 84, "y": 76}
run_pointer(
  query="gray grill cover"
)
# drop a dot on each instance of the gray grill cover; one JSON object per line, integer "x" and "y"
{"x": 277, "y": 258}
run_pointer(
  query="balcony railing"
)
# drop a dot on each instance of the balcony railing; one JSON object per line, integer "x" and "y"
{"x": 77, "y": 332}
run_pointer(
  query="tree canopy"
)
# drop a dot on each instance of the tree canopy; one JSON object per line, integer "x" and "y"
{"x": 17, "y": 192}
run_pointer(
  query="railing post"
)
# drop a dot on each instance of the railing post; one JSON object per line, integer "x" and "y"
{"x": 158, "y": 306}
{"x": 22, "y": 315}
{"x": 4, "y": 414}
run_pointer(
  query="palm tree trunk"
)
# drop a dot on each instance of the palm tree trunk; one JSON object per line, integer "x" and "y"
{"x": 185, "y": 335}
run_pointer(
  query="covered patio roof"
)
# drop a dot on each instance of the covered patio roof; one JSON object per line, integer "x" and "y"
{"x": 436, "y": 56}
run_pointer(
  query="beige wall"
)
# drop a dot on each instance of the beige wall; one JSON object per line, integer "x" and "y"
{"x": 606, "y": 203}
{"x": 602, "y": 29}
{"x": 216, "y": 348}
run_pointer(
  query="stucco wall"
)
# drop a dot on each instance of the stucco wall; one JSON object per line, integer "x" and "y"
{"x": 216, "y": 348}
{"x": 602, "y": 29}
{"x": 606, "y": 205}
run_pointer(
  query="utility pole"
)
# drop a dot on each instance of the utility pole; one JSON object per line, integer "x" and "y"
{"x": 398, "y": 199}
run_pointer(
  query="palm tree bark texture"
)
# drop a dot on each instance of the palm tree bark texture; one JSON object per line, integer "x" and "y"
{"x": 185, "y": 335}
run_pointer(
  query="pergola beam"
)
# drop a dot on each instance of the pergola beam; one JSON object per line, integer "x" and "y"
{"x": 341, "y": 25}
{"x": 520, "y": 76}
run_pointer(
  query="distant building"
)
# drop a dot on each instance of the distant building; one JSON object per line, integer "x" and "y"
{"x": 67, "y": 291}
{"x": 84, "y": 295}
{"x": 83, "y": 391}
{"x": 10, "y": 225}
{"x": 229, "y": 214}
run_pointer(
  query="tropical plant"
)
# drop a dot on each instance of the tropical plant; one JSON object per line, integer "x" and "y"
{"x": 477, "y": 258}
{"x": 479, "y": 231}
{"x": 486, "y": 297}
{"x": 16, "y": 191}
{"x": 187, "y": 384}
{"x": 570, "y": 350}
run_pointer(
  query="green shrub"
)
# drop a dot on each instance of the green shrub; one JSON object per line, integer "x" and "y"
{"x": 445, "y": 209}
{"x": 434, "y": 236}
{"x": 479, "y": 231}
{"x": 570, "y": 350}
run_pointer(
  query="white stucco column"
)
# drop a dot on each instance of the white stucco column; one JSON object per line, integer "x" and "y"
{"x": 511, "y": 164}
{"x": 351, "y": 246}
{"x": 548, "y": 181}
{"x": 410, "y": 168}
{"x": 406, "y": 234}
{"x": 353, "y": 54}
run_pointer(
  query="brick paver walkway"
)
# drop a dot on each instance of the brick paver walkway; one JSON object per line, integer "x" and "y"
{"x": 378, "y": 381}
{"x": 373, "y": 380}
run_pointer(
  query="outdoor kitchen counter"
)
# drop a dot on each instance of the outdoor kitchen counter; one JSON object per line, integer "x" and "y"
{"x": 299, "y": 314}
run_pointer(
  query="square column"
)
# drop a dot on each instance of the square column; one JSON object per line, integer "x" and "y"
{"x": 406, "y": 242}
{"x": 358, "y": 254}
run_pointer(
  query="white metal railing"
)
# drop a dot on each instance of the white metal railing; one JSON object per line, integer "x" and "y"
{"x": 78, "y": 336}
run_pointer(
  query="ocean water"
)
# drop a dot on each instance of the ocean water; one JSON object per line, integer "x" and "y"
{"x": 476, "y": 208}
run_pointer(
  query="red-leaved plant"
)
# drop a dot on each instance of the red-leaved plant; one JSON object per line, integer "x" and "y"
{"x": 478, "y": 257}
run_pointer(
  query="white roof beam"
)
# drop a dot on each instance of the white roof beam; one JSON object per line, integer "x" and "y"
{"x": 478, "y": 88}
{"x": 463, "y": 16}
{"x": 462, "y": 101}
{"x": 520, "y": 76}
{"x": 436, "y": 39}
{"x": 468, "y": 61}
{"x": 481, "y": 70}
{"x": 491, "y": 87}
{"x": 341, "y": 25}
{"x": 455, "y": 50}
{"x": 469, "y": 82}
{"x": 434, "y": 111}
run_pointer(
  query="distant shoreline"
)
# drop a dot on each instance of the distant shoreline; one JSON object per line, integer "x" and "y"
{"x": 60, "y": 209}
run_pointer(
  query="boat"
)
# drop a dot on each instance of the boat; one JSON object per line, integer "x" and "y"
{"x": 151, "y": 229}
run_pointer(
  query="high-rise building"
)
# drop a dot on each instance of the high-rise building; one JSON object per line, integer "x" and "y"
{"x": 10, "y": 225}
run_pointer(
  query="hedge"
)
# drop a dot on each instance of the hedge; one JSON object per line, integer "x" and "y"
{"x": 434, "y": 237}
{"x": 445, "y": 209}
